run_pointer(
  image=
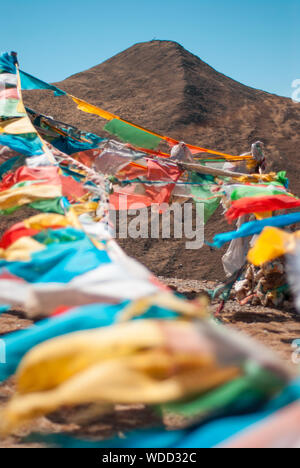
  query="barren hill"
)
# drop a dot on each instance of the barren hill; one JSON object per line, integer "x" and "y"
{"x": 164, "y": 87}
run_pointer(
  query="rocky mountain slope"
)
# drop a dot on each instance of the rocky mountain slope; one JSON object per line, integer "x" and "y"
{"x": 163, "y": 87}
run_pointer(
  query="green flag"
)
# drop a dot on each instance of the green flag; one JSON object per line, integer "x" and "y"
{"x": 204, "y": 193}
{"x": 133, "y": 135}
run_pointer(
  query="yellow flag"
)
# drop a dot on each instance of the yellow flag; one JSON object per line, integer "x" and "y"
{"x": 46, "y": 220}
{"x": 22, "y": 195}
{"x": 17, "y": 126}
{"x": 271, "y": 244}
{"x": 90, "y": 109}
{"x": 146, "y": 361}
{"x": 21, "y": 250}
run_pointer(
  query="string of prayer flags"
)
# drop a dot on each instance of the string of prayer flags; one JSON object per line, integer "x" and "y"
{"x": 125, "y": 130}
{"x": 16, "y": 129}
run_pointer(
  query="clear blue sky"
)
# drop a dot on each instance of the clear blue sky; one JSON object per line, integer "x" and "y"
{"x": 256, "y": 42}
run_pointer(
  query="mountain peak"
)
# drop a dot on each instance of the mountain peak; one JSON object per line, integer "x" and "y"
{"x": 163, "y": 87}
